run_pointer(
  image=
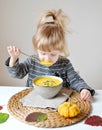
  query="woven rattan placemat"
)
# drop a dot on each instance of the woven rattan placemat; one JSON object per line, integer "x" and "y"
{"x": 20, "y": 112}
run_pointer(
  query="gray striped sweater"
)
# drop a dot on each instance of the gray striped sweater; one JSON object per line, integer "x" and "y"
{"x": 62, "y": 68}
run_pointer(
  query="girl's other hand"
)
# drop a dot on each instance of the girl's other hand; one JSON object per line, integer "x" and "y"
{"x": 85, "y": 95}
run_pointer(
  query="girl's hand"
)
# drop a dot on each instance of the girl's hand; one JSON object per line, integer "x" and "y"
{"x": 14, "y": 53}
{"x": 85, "y": 95}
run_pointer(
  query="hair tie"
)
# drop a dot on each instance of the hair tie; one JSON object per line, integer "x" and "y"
{"x": 49, "y": 19}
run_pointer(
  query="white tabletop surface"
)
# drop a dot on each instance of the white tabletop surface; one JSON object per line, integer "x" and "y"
{"x": 6, "y": 92}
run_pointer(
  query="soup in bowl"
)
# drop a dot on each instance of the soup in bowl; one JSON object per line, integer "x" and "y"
{"x": 47, "y": 86}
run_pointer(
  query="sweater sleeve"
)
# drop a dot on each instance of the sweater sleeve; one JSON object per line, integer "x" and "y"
{"x": 19, "y": 70}
{"x": 76, "y": 82}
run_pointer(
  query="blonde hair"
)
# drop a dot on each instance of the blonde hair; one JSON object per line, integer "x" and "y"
{"x": 50, "y": 34}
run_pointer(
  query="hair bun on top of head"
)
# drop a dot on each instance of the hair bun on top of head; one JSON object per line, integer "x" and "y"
{"x": 55, "y": 17}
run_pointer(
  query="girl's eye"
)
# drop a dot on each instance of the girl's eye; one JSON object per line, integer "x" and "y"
{"x": 53, "y": 54}
{"x": 43, "y": 53}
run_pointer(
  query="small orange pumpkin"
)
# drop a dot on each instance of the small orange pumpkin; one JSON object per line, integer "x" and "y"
{"x": 68, "y": 109}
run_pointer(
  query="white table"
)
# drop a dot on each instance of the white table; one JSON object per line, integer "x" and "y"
{"x": 6, "y": 92}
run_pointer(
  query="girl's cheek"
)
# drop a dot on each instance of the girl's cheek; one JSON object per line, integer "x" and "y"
{"x": 41, "y": 58}
{"x": 54, "y": 59}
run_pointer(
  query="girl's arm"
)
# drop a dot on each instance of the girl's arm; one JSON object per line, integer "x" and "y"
{"x": 16, "y": 69}
{"x": 77, "y": 83}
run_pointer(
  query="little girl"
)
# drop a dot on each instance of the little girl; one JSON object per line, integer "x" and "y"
{"x": 50, "y": 46}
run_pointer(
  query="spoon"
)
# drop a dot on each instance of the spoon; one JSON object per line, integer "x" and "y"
{"x": 68, "y": 95}
{"x": 35, "y": 58}
{"x": 32, "y": 57}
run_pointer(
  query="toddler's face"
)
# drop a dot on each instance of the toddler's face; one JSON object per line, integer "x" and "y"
{"x": 48, "y": 56}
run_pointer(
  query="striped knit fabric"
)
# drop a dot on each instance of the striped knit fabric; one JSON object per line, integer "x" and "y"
{"x": 62, "y": 68}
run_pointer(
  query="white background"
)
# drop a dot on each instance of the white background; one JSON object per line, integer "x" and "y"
{"x": 18, "y": 20}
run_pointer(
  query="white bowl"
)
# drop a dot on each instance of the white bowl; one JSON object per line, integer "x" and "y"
{"x": 47, "y": 91}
